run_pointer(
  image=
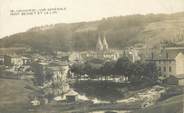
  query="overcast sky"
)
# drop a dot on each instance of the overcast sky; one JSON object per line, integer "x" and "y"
{"x": 78, "y": 10}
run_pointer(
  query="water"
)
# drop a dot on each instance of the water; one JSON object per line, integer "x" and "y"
{"x": 94, "y": 100}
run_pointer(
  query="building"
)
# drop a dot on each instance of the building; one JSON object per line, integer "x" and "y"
{"x": 52, "y": 77}
{"x": 35, "y": 102}
{"x": 99, "y": 45}
{"x": 14, "y": 50}
{"x": 13, "y": 60}
{"x": 1, "y": 59}
{"x": 176, "y": 80}
{"x": 59, "y": 80}
{"x": 102, "y": 51}
{"x": 26, "y": 60}
{"x": 74, "y": 57}
{"x": 71, "y": 96}
{"x": 133, "y": 55}
{"x": 170, "y": 62}
{"x": 105, "y": 44}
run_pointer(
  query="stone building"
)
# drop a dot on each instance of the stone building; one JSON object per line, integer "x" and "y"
{"x": 170, "y": 62}
{"x": 1, "y": 59}
{"x": 59, "y": 79}
{"x": 102, "y": 51}
{"x": 52, "y": 77}
{"x": 12, "y": 60}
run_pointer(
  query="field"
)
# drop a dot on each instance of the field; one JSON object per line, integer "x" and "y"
{"x": 14, "y": 96}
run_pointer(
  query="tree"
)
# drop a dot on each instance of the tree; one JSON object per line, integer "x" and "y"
{"x": 93, "y": 70}
{"x": 48, "y": 74}
{"x": 143, "y": 71}
{"x": 78, "y": 70}
{"x": 108, "y": 69}
{"x": 123, "y": 66}
{"x": 138, "y": 70}
{"x": 151, "y": 72}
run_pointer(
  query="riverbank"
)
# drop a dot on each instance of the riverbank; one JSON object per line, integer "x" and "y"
{"x": 171, "y": 105}
{"x": 108, "y": 91}
{"x": 133, "y": 98}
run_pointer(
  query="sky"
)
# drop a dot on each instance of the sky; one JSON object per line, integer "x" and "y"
{"x": 77, "y": 11}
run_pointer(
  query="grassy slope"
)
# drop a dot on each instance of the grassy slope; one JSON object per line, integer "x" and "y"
{"x": 13, "y": 96}
{"x": 164, "y": 30}
{"x": 171, "y": 105}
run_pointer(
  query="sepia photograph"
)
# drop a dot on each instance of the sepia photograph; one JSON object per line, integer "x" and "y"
{"x": 92, "y": 56}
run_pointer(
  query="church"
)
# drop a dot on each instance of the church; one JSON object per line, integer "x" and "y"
{"x": 102, "y": 50}
{"x": 102, "y": 45}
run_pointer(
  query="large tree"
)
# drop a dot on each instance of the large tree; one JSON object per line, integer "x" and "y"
{"x": 108, "y": 69}
{"x": 137, "y": 72}
{"x": 151, "y": 72}
{"x": 123, "y": 66}
{"x": 78, "y": 70}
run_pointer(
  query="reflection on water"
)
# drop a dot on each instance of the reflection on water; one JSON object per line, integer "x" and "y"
{"x": 150, "y": 95}
{"x": 95, "y": 100}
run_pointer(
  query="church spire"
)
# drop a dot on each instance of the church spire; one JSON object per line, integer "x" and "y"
{"x": 105, "y": 44}
{"x": 99, "y": 45}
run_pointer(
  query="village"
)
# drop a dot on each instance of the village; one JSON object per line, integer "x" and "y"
{"x": 96, "y": 81}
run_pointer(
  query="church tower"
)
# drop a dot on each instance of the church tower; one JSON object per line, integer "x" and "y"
{"x": 105, "y": 44}
{"x": 99, "y": 45}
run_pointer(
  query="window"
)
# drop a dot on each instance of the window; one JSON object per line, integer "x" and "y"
{"x": 167, "y": 55}
{"x": 159, "y": 61}
{"x": 160, "y": 69}
{"x": 164, "y": 69}
{"x": 170, "y": 69}
{"x": 170, "y": 62}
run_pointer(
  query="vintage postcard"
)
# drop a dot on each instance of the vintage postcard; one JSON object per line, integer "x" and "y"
{"x": 91, "y": 56}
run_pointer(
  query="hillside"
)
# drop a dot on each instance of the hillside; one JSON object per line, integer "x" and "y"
{"x": 14, "y": 96}
{"x": 120, "y": 32}
{"x": 171, "y": 105}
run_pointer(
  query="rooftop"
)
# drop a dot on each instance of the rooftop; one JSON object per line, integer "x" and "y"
{"x": 160, "y": 59}
{"x": 71, "y": 93}
{"x": 180, "y": 76}
{"x": 174, "y": 48}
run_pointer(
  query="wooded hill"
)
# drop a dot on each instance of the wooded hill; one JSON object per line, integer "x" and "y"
{"x": 122, "y": 31}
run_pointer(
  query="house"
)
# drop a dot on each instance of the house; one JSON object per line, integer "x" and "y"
{"x": 1, "y": 59}
{"x": 12, "y": 60}
{"x": 35, "y": 102}
{"x": 167, "y": 67}
{"x": 26, "y": 60}
{"x": 170, "y": 62}
{"x": 74, "y": 56}
{"x": 133, "y": 54}
{"x": 71, "y": 96}
{"x": 14, "y": 50}
{"x": 176, "y": 80}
